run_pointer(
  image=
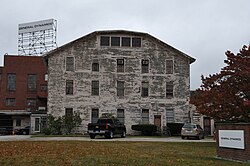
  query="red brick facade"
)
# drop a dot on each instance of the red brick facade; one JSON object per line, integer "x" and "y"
{"x": 230, "y": 153}
{"x": 23, "y": 99}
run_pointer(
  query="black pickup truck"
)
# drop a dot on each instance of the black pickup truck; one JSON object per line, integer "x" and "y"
{"x": 107, "y": 127}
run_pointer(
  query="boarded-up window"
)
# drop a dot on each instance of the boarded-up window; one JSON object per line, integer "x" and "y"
{"x": 31, "y": 82}
{"x": 11, "y": 84}
{"x": 169, "y": 66}
{"x": 144, "y": 66}
{"x": 170, "y": 115}
{"x": 126, "y": 41}
{"x": 120, "y": 115}
{"x": 69, "y": 87}
{"x": 169, "y": 89}
{"x": 70, "y": 64}
{"x": 136, "y": 42}
{"x": 104, "y": 41}
{"x": 144, "y": 92}
{"x": 120, "y": 65}
{"x": 115, "y": 41}
{"x": 95, "y": 88}
{"x": 94, "y": 115}
{"x": 10, "y": 102}
{"x": 145, "y": 116}
{"x": 120, "y": 88}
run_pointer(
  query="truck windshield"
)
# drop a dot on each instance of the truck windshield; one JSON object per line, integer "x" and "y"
{"x": 104, "y": 121}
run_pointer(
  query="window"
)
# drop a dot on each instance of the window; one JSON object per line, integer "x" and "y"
{"x": 31, "y": 102}
{"x": 120, "y": 65}
{"x": 94, "y": 115}
{"x": 170, "y": 115}
{"x": 144, "y": 92}
{"x": 120, "y": 88}
{"x": 169, "y": 89}
{"x": 68, "y": 111}
{"x": 95, "y": 66}
{"x": 69, "y": 87}
{"x": 126, "y": 41}
{"x": 95, "y": 88}
{"x": 44, "y": 87}
{"x": 120, "y": 115}
{"x": 169, "y": 66}
{"x": 11, "y": 85}
{"x": 136, "y": 42}
{"x": 31, "y": 82}
{"x": 104, "y": 41}
{"x": 10, "y": 102}
{"x": 145, "y": 116}
{"x": 18, "y": 122}
{"x": 115, "y": 41}
{"x": 144, "y": 66}
{"x": 46, "y": 77}
{"x": 37, "y": 124}
{"x": 70, "y": 65}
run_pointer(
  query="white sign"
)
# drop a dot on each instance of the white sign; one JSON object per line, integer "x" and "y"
{"x": 231, "y": 139}
{"x": 35, "y": 26}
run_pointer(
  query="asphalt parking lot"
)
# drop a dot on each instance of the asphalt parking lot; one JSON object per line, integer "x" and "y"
{"x": 85, "y": 138}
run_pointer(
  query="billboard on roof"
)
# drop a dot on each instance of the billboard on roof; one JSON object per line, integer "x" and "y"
{"x": 35, "y": 26}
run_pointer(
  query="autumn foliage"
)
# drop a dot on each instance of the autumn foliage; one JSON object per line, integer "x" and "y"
{"x": 225, "y": 95}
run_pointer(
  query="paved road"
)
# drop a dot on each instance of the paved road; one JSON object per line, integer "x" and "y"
{"x": 148, "y": 139}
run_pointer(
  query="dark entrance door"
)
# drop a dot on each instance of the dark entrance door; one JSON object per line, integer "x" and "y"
{"x": 207, "y": 125}
{"x": 157, "y": 121}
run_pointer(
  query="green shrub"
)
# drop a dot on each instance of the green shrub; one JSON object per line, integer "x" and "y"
{"x": 146, "y": 129}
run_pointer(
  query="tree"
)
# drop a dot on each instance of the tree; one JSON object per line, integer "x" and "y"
{"x": 71, "y": 121}
{"x": 225, "y": 95}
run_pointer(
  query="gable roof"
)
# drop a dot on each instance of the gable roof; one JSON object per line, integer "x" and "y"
{"x": 109, "y": 32}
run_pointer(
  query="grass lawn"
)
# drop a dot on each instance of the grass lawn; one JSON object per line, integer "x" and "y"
{"x": 108, "y": 153}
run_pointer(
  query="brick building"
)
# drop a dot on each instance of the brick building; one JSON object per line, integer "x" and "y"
{"x": 23, "y": 92}
{"x": 132, "y": 75}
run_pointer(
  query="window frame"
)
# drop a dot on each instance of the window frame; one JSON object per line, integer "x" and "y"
{"x": 102, "y": 41}
{"x": 95, "y": 88}
{"x": 145, "y": 119}
{"x": 170, "y": 119}
{"x": 136, "y": 42}
{"x": 70, "y": 65}
{"x": 144, "y": 66}
{"x": 69, "y": 87}
{"x": 123, "y": 42}
{"x": 120, "y": 65}
{"x": 69, "y": 111}
{"x": 115, "y": 41}
{"x": 94, "y": 111}
{"x": 10, "y": 102}
{"x": 169, "y": 66}
{"x": 144, "y": 91}
{"x": 120, "y": 89}
{"x": 169, "y": 89}
{"x": 119, "y": 112}
{"x": 11, "y": 79}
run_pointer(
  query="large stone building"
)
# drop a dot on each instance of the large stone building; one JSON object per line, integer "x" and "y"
{"x": 132, "y": 75}
{"x": 23, "y": 93}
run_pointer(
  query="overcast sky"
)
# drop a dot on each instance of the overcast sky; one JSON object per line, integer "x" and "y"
{"x": 203, "y": 29}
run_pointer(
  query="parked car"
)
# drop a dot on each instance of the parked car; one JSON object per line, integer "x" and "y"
{"x": 192, "y": 130}
{"x": 3, "y": 131}
{"x": 23, "y": 131}
{"x": 107, "y": 127}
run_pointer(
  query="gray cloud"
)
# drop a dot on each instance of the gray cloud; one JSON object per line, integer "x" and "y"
{"x": 204, "y": 30}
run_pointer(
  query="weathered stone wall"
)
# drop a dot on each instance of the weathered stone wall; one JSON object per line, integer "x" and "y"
{"x": 85, "y": 50}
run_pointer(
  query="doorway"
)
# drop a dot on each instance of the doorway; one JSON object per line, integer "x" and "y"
{"x": 157, "y": 121}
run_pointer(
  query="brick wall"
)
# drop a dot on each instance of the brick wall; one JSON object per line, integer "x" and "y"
{"x": 230, "y": 153}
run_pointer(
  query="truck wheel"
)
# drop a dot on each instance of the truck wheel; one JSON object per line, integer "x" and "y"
{"x": 123, "y": 134}
{"x": 92, "y": 136}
